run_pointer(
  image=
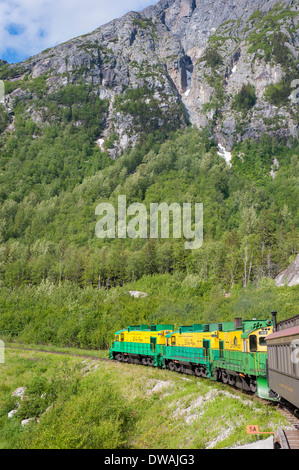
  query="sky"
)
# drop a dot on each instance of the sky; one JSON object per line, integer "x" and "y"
{"x": 28, "y": 27}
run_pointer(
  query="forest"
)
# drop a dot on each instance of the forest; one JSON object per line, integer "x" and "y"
{"x": 51, "y": 183}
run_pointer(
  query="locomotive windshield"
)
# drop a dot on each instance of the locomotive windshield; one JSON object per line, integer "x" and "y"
{"x": 253, "y": 343}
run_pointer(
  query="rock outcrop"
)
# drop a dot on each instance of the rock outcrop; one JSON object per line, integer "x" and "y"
{"x": 289, "y": 277}
{"x": 192, "y": 59}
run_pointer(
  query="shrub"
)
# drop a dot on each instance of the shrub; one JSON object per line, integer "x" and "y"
{"x": 212, "y": 58}
{"x": 4, "y": 119}
{"x": 278, "y": 93}
{"x": 245, "y": 99}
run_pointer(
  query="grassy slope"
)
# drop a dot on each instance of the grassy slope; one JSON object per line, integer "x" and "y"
{"x": 110, "y": 405}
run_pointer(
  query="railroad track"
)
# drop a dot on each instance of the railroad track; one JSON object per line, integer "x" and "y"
{"x": 60, "y": 353}
{"x": 287, "y": 438}
{"x": 290, "y": 416}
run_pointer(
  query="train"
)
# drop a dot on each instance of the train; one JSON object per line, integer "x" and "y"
{"x": 283, "y": 361}
{"x": 258, "y": 356}
{"x": 234, "y": 353}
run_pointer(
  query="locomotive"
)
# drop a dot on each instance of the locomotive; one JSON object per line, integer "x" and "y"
{"x": 234, "y": 353}
{"x": 141, "y": 344}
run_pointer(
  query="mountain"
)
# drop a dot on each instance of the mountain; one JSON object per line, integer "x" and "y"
{"x": 185, "y": 101}
{"x": 228, "y": 65}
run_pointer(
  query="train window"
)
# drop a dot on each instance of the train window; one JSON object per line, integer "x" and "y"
{"x": 287, "y": 358}
{"x": 173, "y": 340}
{"x": 122, "y": 337}
{"x": 272, "y": 357}
{"x": 117, "y": 338}
{"x": 279, "y": 361}
{"x": 253, "y": 343}
{"x": 262, "y": 341}
{"x": 221, "y": 348}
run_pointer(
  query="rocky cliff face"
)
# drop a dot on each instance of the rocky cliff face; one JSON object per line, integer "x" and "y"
{"x": 290, "y": 276}
{"x": 226, "y": 64}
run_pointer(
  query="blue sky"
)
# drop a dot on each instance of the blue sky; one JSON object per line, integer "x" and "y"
{"x": 27, "y": 27}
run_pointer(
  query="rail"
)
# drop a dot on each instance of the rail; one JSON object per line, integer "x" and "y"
{"x": 286, "y": 439}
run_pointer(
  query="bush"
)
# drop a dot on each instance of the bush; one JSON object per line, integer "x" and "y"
{"x": 245, "y": 99}
{"x": 278, "y": 93}
{"x": 96, "y": 415}
{"x": 212, "y": 58}
{"x": 4, "y": 119}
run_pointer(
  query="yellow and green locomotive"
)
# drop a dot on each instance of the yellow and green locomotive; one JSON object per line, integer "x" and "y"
{"x": 232, "y": 352}
{"x": 141, "y": 344}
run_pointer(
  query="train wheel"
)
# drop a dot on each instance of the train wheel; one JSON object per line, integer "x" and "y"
{"x": 170, "y": 365}
{"x": 178, "y": 367}
{"x": 232, "y": 380}
{"x": 203, "y": 372}
{"x": 144, "y": 361}
{"x": 224, "y": 377}
{"x": 151, "y": 361}
{"x": 126, "y": 358}
{"x": 119, "y": 357}
{"x": 197, "y": 371}
{"x": 218, "y": 375}
{"x": 253, "y": 385}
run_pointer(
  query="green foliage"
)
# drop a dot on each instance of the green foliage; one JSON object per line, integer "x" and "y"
{"x": 37, "y": 86}
{"x": 216, "y": 81}
{"x": 267, "y": 36}
{"x": 8, "y": 72}
{"x": 212, "y": 58}
{"x": 73, "y": 411}
{"x": 280, "y": 51}
{"x": 142, "y": 22}
{"x": 4, "y": 118}
{"x": 61, "y": 285}
{"x": 68, "y": 315}
{"x": 56, "y": 156}
{"x": 279, "y": 93}
{"x": 245, "y": 99}
{"x": 99, "y": 406}
{"x": 53, "y": 239}
{"x": 146, "y": 113}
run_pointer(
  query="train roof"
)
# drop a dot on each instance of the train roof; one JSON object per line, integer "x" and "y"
{"x": 283, "y": 333}
{"x": 147, "y": 328}
{"x": 288, "y": 323}
{"x": 119, "y": 332}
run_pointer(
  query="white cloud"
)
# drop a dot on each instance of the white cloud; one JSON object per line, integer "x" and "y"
{"x": 30, "y": 26}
